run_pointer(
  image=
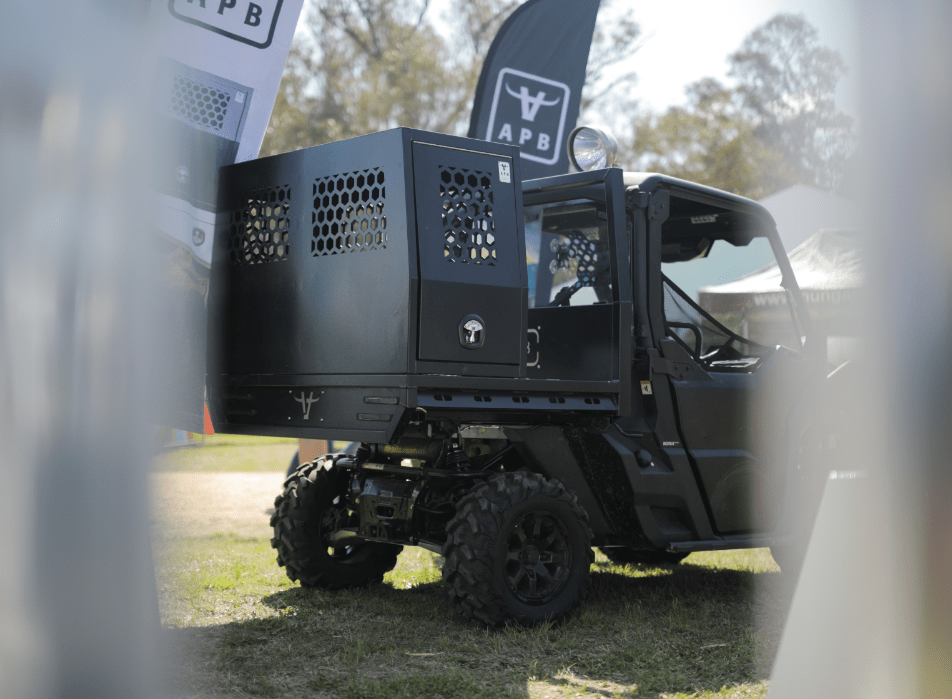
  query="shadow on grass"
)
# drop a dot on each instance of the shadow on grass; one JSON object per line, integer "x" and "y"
{"x": 685, "y": 629}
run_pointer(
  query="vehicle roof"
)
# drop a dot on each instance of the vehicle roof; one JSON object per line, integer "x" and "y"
{"x": 698, "y": 215}
{"x": 650, "y": 181}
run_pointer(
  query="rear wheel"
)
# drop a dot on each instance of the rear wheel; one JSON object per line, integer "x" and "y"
{"x": 627, "y": 555}
{"x": 519, "y": 549}
{"x": 309, "y": 511}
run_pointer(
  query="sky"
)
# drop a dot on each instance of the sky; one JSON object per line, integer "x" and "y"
{"x": 686, "y": 40}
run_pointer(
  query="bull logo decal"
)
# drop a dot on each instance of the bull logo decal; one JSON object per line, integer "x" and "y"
{"x": 522, "y": 121}
{"x": 306, "y": 403}
{"x": 530, "y": 104}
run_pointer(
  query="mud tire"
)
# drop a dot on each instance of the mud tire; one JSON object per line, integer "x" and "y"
{"x": 519, "y": 549}
{"x": 304, "y": 513}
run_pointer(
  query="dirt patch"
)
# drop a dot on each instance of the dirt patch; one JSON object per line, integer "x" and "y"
{"x": 203, "y": 504}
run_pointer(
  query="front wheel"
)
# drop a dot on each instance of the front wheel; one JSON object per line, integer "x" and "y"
{"x": 518, "y": 549}
{"x": 309, "y": 511}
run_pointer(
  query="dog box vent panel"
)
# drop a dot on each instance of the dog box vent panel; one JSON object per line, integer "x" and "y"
{"x": 312, "y": 271}
{"x": 202, "y": 117}
{"x": 468, "y": 246}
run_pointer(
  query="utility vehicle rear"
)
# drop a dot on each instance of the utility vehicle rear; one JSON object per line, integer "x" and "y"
{"x": 527, "y": 365}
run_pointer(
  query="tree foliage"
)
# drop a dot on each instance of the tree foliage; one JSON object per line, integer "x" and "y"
{"x": 778, "y": 126}
{"x": 364, "y": 66}
{"x": 367, "y": 65}
{"x": 788, "y": 82}
{"x": 711, "y": 141}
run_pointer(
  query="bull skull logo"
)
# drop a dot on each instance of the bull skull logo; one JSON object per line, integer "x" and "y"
{"x": 306, "y": 403}
{"x": 530, "y": 104}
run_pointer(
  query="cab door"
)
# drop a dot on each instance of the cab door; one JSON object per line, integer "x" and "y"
{"x": 740, "y": 382}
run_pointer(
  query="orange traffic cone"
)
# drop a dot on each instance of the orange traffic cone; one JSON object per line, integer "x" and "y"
{"x": 209, "y": 430}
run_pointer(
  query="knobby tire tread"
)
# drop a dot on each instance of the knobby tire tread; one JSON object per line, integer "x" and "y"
{"x": 297, "y": 538}
{"x": 480, "y": 515}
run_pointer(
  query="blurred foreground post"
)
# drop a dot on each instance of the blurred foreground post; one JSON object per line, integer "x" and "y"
{"x": 77, "y": 592}
{"x": 872, "y": 615}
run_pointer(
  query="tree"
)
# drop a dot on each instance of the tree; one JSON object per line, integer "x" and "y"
{"x": 711, "y": 141}
{"x": 365, "y": 66}
{"x": 777, "y": 127}
{"x": 368, "y": 65}
{"x": 788, "y": 82}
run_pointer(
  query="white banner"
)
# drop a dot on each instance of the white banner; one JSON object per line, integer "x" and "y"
{"x": 215, "y": 86}
{"x": 214, "y": 83}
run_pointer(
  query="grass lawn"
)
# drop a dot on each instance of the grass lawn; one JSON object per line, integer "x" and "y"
{"x": 237, "y": 627}
{"x": 228, "y": 452}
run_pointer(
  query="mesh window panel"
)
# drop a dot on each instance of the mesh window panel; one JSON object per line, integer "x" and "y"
{"x": 585, "y": 251}
{"x": 468, "y": 227}
{"x": 199, "y": 104}
{"x": 259, "y": 231}
{"x": 349, "y": 213}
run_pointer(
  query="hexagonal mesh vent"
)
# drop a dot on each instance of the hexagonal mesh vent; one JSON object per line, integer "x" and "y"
{"x": 199, "y": 103}
{"x": 468, "y": 227}
{"x": 349, "y": 213}
{"x": 258, "y": 232}
{"x": 585, "y": 251}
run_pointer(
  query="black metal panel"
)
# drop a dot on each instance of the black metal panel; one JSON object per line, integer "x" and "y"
{"x": 500, "y": 401}
{"x": 317, "y": 411}
{"x": 745, "y": 423}
{"x": 583, "y": 342}
{"x": 318, "y": 283}
{"x": 444, "y": 304}
{"x": 466, "y": 383}
{"x": 337, "y": 302}
{"x": 471, "y": 253}
{"x": 667, "y": 500}
{"x": 571, "y": 342}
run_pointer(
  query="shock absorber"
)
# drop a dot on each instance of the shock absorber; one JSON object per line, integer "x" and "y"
{"x": 456, "y": 458}
{"x": 364, "y": 453}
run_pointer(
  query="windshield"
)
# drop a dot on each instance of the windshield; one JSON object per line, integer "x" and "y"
{"x": 723, "y": 301}
{"x": 567, "y": 254}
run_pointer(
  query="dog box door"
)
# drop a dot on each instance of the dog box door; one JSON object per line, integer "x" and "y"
{"x": 472, "y": 257}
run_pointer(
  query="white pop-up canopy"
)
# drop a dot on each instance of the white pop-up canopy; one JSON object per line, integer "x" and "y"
{"x": 828, "y": 266}
{"x": 830, "y": 270}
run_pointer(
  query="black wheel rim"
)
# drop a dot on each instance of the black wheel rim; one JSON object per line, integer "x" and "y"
{"x": 538, "y": 558}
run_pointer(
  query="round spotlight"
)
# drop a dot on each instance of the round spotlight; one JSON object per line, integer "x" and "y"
{"x": 591, "y": 149}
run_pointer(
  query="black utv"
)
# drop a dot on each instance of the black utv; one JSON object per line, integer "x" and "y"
{"x": 531, "y": 368}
